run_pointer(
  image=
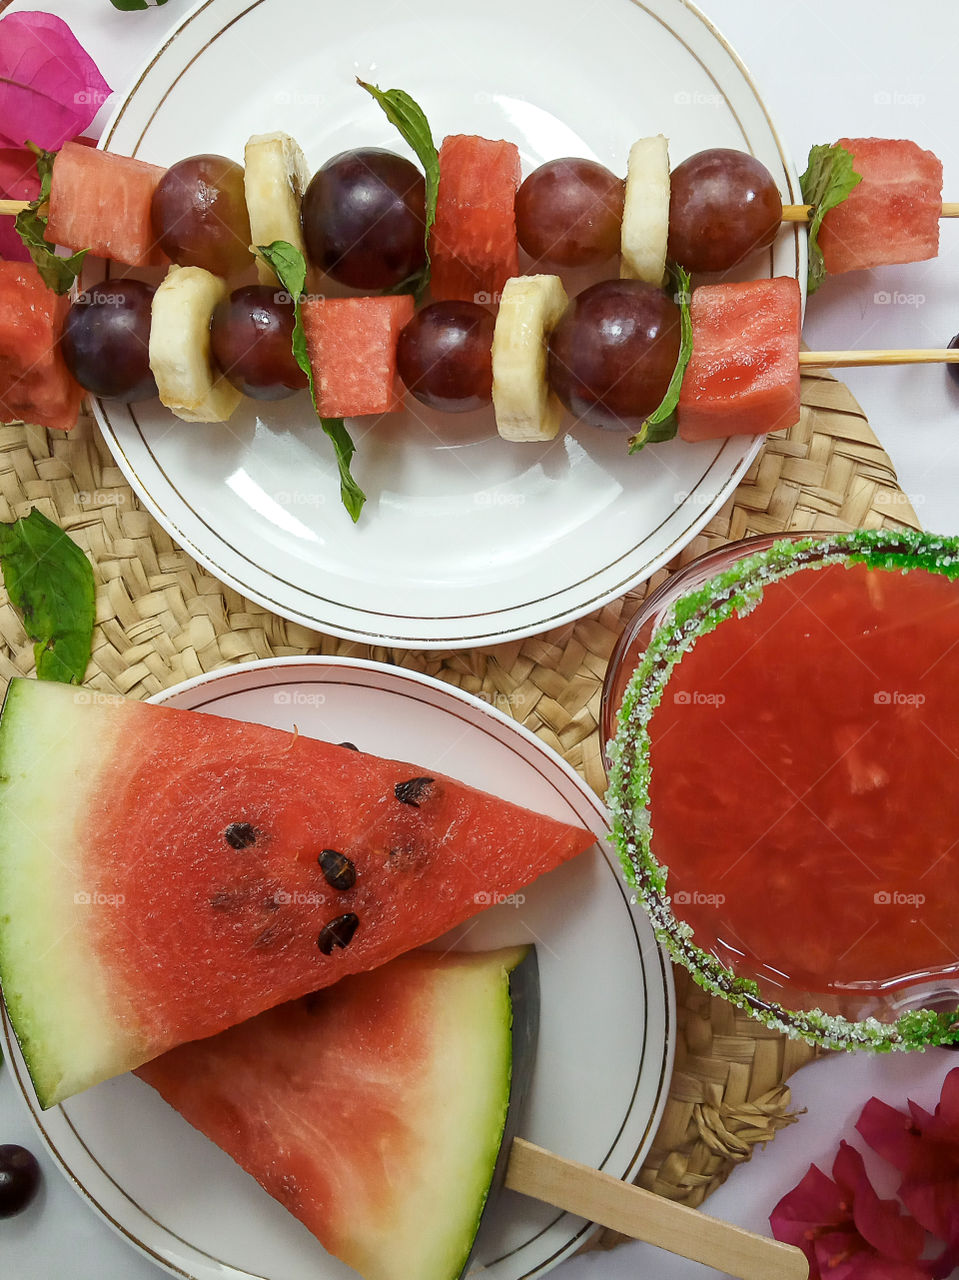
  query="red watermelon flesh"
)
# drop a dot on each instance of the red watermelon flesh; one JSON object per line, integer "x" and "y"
{"x": 35, "y": 384}
{"x": 892, "y": 216}
{"x": 373, "y": 1110}
{"x": 473, "y": 244}
{"x": 352, "y": 349}
{"x": 182, "y": 881}
{"x": 101, "y": 202}
{"x": 743, "y": 375}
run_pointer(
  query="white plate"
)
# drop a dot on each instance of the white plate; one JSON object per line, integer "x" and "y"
{"x": 465, "y": 539}
{"x": 606, "y": 1033}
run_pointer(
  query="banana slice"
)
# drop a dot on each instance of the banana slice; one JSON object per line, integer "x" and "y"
{"x": 646, "y": 212}
{"x": 275, "y": 178}
{"x": 180, "y": 358}
{"x": 529, "y": 310}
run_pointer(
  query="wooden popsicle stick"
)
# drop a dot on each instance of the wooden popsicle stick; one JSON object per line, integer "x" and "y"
{"x": 852, "y": 359}
{"x": 802, "y": 212}
{"x": 600, "y": 1198}
{"x": 10, "y": 208}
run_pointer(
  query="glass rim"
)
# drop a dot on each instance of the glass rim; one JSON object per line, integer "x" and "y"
{"x": 695, "y": 613}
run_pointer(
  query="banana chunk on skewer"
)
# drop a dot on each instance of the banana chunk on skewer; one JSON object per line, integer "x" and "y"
{"x": 276, "y": 175}
{"x": 646, "y": 212}
{"x": 530, "y": 309}
{"x": 180, "y": 357}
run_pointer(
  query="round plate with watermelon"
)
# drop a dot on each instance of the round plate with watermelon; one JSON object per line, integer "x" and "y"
{"x": 607, "y": 1001}
{"x": 465, "y": 539}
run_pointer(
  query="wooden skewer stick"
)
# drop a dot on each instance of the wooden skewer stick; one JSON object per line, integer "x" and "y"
{"x": 802, "y": 212}
{"x": 791, "y": 212}
{"x": 852, "y": 359}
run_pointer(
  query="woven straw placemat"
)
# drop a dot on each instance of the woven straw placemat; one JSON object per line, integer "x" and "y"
{"x": 161, "y": 618}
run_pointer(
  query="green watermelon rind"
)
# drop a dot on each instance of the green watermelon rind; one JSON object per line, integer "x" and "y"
{"x": 37, "y": 786}
{"x": 736, "y": 591}
{"x": 411, "y": 1207}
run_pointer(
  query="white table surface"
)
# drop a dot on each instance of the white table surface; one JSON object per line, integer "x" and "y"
{"x": 861, "y": 67}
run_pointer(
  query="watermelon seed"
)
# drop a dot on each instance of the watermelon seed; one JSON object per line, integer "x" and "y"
{"x": 240, "y": 835}
{"x": 338, "y": 871}
{"x": 351, "y": 746}
{"x": 337, "y": 933}
{"x": 414, "y": 791}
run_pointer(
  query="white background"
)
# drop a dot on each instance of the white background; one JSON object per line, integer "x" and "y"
{"x": 825, "y": 69}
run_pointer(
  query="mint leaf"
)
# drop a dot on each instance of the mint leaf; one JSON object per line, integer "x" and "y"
{"x": 661, "y": 424}
{"x": 828, "y": 179}
{"x": 290, "y": 268}
{"x": 56, "y": 273}
{"x": 410, "y": 119}
{"x": 49, "y": 579}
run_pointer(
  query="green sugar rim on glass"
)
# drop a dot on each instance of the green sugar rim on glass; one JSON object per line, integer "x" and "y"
{"x": 736, "y": 591}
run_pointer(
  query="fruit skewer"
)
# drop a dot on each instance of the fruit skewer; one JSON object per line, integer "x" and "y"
{"x": 711, "y": 212}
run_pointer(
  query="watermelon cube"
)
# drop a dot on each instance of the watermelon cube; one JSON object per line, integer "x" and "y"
{"x": 195, "y": 871}
{"x": 35, "y": 384}
{"x": 892, "y": 216}
{"x": 743, "y": 376}
{"x": 352, "y": 349}
{"x": 473, "y": 244}
{"x": 331, "y": 1103}
{"x": 101, "y": 202}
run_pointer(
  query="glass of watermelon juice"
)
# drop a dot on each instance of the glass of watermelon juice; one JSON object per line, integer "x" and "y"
{"x": 783, "y": 717}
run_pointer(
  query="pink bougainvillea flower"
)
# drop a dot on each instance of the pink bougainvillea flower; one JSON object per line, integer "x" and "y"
{"x": 18, "y": 181}
{"x": 845, "y": 1230}
{"x": 925, "y": 1148}
{"x": 50, "y": 88}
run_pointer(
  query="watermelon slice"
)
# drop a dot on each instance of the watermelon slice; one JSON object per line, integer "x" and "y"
{"x": 373, "y": 1111}
{"x": 101, "y": 202}
{"x": 35, "y": 384}
{"x": 473, "y": 244}
{"x": 743, "y": 375}
{"x": 892, "y": 216}
{"x": 352, "y": 349}
{"x": 195, "y": 871}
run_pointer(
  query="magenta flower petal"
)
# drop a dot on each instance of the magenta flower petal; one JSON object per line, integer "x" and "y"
{"x": 948, "y": 1109}
{"x": 867, "y": 1266}
{"x": 803, "y": 1213}
{"x": 935, "y": 1204}
{"x": 50, "y": 88}
{"x": 890, "y": 1133}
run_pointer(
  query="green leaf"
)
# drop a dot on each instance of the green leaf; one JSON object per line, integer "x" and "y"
{"x": 662, "y": 424}
{"x": 290, "y": 268}
{"x": 828, "y": 179}
{"x": 129, "y": 5}
{"x": 410, "y": 119}
{"x": 56, "y": 273}
{"x": 49, "y": 579}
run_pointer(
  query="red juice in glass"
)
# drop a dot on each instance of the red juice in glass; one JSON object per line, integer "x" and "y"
{"x": 803, "y": 787}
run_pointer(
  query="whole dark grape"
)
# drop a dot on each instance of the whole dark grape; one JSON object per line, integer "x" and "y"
{"x": 364, "y": 218}
{"x": 612, "y": 355}
{"x": 569, "y": 213}
{"x": 19, "y": 1179}
{"x": 200, "y": 217}
{"x": 444, "y": 356}
{"x": 953, "y": 369}
{"x": 252, "y": 341}
{"x": 723, "y": 206}
{"x": 106, "y": 340}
